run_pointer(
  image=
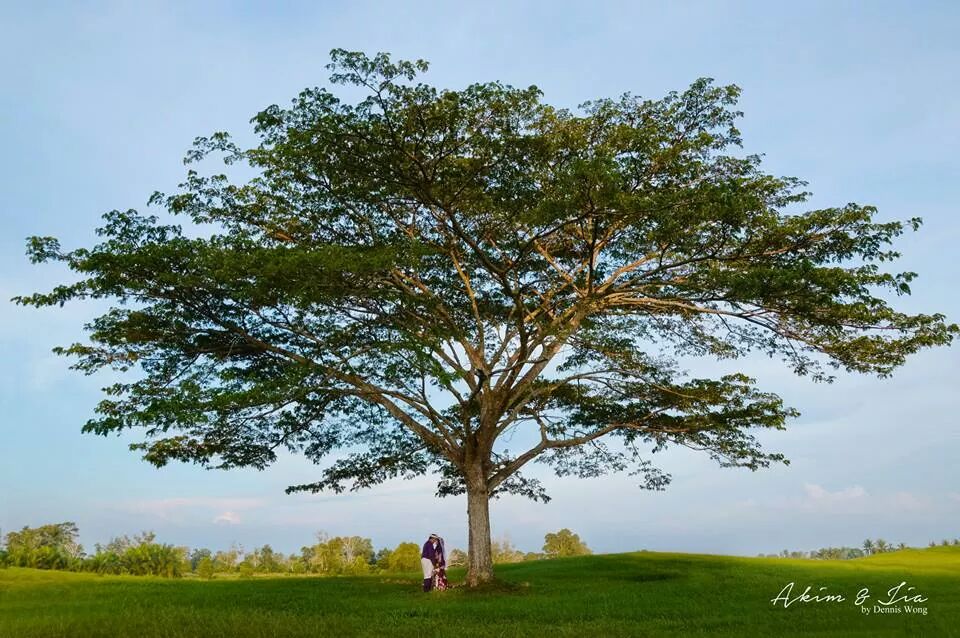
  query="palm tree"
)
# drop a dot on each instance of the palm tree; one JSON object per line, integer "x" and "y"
{"x": 882, "y": 546}
{"x": 868, "y": 547}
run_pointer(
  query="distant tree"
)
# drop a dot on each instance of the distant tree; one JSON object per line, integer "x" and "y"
{"x": 382, "y": 558}
{"x": 267, "y": 561}
{"x": 357, "y": 550}
{"x": 825, "y": 553}
{"x": 104, "y": 561}
{"x": 881, "y": 546}
{"x": 205, "y": 567}
{"x": 306, "y": 556}
{"x": 252, "y": 558}
{"x": 327, "y": 557}
{"x": 504, "y": 551}
{"x": 405, "y": 558}
{"x": 53, "y": 546}
{"x": 341, "y": 555}
{"x": 120, "y": 544}
{"x": 415, "y": 276}
{"x": 225, "y": 561}
{"x": 534, "y": 556}
{"x": 296, "y": 565}
{"x": 868, "y": 547}
{"x": 846, "y": 553}
{"x": 564, "y": 543}
{"x": 901, "y": 546}
{"x": 140, "y": 555}
{"x": 198, "y": 555}
{"x": 458, "y": 558}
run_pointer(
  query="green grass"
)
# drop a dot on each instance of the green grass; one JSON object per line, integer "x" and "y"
{"x": 638, "y": 594}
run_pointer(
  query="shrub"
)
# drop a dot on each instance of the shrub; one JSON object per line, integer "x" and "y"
{"x": 139, "y": 556}
{"x": 104, "y": 562}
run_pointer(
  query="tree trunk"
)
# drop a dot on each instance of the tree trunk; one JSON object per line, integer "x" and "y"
{"x": 479, "y": 556}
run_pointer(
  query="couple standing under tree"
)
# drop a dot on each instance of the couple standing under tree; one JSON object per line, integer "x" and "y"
{"x": 433, "y": 559}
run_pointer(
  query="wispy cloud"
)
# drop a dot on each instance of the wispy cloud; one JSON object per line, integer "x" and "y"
{"x": 176, "y": 508}
{"x": 852, "y": 498}
{"x": 227, "y": 518}
{"x": 818, "y": 494}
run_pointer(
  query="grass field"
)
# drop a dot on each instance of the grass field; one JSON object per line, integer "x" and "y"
{"x": 637, "y": 594}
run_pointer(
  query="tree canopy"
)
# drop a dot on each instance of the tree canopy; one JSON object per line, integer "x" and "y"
{"x": 410, "y": 278}
{"x": 564, "y": 543}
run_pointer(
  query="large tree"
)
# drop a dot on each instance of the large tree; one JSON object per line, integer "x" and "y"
{"x": 401, "y": 282}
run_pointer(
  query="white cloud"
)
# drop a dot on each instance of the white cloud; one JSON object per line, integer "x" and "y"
{"x": 818, "y": 494}
{"x": 855, "y": 495}
{"x": 853, "y": 499}
{"x": 227, "y": 518}
{"x": 908, "y": 501}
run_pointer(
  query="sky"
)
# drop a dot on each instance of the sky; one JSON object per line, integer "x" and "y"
{"x": 100, "y": 101}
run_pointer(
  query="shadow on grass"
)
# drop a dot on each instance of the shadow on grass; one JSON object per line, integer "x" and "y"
{"x": 496, "y": 587}
{"x": 652, "y": 577}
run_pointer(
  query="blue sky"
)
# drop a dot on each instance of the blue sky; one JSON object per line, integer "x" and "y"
{"x": 101, "y": 100}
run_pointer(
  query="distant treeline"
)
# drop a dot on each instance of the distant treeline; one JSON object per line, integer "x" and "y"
{"x": 868, "y": 548}
{"x": 56, "y": 546}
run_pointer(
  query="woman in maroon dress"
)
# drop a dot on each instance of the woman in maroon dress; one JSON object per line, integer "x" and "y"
{"x": 440, "y": 565}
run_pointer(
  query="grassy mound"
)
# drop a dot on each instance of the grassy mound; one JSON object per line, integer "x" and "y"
{"x": 636, "y": 594}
